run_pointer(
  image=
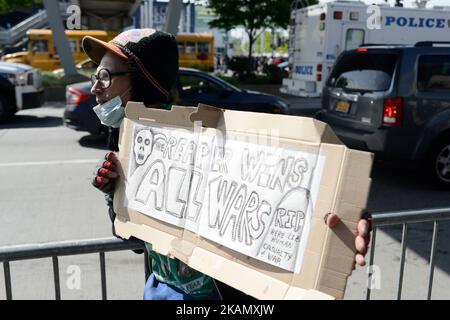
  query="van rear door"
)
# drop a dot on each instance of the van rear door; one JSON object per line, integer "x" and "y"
{"x": 358, "y": 85}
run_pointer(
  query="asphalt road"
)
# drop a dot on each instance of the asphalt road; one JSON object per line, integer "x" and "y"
{"x": 45, "y": 195}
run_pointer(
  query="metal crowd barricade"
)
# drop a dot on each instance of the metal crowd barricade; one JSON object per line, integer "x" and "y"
{"x": 405, "y": 218}
{"x": 66, "y": 248}
{"x": 100, "y": 246}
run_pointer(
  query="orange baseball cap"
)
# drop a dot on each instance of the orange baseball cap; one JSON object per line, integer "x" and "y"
{"x": 96, "y": 49}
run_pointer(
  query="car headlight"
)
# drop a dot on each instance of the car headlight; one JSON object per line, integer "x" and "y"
{"x": 21, "y": 79}
{"x": 17, "y": 79}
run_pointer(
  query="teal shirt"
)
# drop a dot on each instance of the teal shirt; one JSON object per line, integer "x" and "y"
{"x": 178, "y": 274}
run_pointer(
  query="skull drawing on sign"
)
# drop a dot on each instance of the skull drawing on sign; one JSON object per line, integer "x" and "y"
{"x": 143, "y": 146}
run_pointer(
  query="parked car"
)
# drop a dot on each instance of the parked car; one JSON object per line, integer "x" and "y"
{"x": 395, "y": 102}
{"x": 193, "y": 87}
{"x": 20, "y": 88}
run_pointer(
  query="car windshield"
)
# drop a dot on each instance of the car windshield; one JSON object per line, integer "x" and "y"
{"x": 218, "y": 81}
{"x": 226, "y": 84}
{"x": 365, "y": 72}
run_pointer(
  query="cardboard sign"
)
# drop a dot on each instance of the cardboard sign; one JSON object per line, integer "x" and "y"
{"x": 237, "y": 193}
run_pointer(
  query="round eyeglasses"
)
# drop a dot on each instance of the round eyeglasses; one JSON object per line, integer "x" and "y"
{"x": 104, "y": 77}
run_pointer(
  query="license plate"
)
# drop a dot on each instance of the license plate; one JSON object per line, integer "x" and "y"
{"x": 343, "y": 106}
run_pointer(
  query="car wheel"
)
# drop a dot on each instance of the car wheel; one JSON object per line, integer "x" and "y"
{"x": 6, "y": 112}
{"x": 438, "y": 163}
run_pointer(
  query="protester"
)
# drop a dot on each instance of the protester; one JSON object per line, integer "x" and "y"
{"x": 142, "y": 65}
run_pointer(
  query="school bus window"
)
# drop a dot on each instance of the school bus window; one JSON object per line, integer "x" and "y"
{"x": 42, "y": 54}
{"x": 39, "y": 46}
{"x": 190, "y": 47}
{"x": 195, "y": 51}
{"x": 180, "y": 47}
{"x": 203, "y": 47}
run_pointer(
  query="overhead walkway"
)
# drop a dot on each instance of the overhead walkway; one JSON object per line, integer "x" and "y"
{"x": 17, "y": 33}
{"x": 104, "y": 15}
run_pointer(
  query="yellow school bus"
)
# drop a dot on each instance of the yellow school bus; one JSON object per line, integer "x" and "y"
{"x": 42, "y": 53}
{"x": 196, "y": 50}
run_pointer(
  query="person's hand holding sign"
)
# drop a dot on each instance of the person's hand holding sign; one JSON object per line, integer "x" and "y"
{"x": 105, "y": 174}
{"x": 362, "y": 238}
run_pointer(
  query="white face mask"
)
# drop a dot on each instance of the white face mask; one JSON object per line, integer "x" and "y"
{"x": 111, "y": 113}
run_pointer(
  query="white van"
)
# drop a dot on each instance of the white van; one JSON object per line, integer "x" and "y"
{"x": 319, "y": 33}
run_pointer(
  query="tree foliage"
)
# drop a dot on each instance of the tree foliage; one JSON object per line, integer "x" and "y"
{"x": 7, "y": 6}
{"x": 252, "y": 15}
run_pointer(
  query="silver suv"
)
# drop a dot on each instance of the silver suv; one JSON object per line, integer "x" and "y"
{"x": 395, "y": 102}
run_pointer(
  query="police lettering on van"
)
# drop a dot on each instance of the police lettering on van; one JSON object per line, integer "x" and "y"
{"x": 306, "y": 70}
{"x": 414, "y": 22}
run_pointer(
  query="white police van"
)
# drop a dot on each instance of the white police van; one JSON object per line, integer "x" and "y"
{"x": 20, "y": 88}
{"x": 319, "y": 33}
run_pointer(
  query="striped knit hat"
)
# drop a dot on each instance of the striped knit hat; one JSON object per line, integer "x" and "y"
{"x": 153, "y": 54}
